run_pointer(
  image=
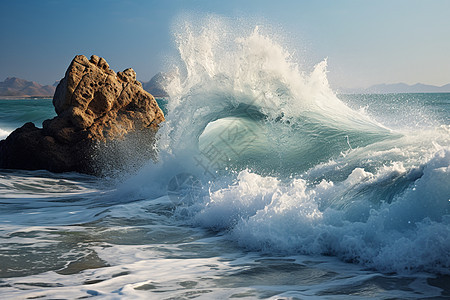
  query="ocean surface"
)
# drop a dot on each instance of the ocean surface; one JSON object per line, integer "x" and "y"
{"x": 268, "y": 184}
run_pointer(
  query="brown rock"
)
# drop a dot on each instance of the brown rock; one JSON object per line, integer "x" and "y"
{"x": 93, "y": 105}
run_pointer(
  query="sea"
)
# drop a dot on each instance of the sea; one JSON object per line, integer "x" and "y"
{"x": 267, "y": 184}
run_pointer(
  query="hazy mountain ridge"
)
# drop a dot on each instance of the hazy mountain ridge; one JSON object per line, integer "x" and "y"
{"x": 17, "y": 87}
{"x": 13, "y": 86}
{"x": 399, "y": 88}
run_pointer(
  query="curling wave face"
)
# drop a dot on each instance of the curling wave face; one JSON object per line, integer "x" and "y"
{"x": 284, "y": 166}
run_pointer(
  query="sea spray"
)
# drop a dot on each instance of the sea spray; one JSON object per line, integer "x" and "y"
{"x": 236, "y": 86}
{"x": 284, "y": 166}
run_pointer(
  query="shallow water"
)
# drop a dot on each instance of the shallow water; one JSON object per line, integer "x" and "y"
{"x": 69, "y": 238}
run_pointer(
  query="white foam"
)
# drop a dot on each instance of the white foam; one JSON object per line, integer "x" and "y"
{"x": 410, "y": 234}
{"x": 221, "y": 69}
{"x": 356, "y": 205}
{"x": 4, "y": 134}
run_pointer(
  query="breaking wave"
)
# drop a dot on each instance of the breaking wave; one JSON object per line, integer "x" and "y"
{"x": 258, "y": 147}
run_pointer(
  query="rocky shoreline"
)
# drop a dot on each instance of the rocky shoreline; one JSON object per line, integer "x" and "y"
{"x": 95, "y": 107}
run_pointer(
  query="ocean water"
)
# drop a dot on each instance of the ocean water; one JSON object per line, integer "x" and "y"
{"x": 268, "y": 184}
{"x": 15, "y": 113}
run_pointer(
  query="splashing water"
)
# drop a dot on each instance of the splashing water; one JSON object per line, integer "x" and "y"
{"x": 287, "y": 167}
{"x": 267, "y": 184}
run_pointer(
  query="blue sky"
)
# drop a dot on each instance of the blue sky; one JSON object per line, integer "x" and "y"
{"x": 366, "y": 42}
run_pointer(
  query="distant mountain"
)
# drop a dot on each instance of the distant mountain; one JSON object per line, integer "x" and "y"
{"x": 156, "y": 85}
{"x": 13, "y": 86}
{"x": 400, "y": 88}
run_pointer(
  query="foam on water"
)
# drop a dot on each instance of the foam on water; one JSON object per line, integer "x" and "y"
{"x": 322, "y": 178}
{"x": 34, "y": 198}
{"x": 345, "y": 218}
{"x": 247, "y": 82}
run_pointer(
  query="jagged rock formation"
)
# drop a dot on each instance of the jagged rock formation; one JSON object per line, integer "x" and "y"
{"x": 94, "y": 106}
